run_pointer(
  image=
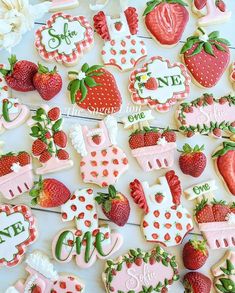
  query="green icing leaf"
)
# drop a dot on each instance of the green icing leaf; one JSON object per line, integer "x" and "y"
{"x": 208, "y": 48}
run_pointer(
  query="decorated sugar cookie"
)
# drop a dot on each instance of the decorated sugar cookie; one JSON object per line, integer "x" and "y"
{"x": 122, "y": 48}
{"x": 211, "y": 11}
{"x": 166, "y": 20}
{"x": 16, "y": 175}
{"x": 140, "y": 271}
{"x": 18, "y": 230}
{"x": 61, "y": 5}
{"x": 43, "y": 278}
{"x": 215, "y": 218}
{"x": 94, "y": 89}
{"x": 207, "y": 115}
{"x": 102, "y": 162}
{"x": 232, "y": 75}
{"x": 224, "y": 157}
{"x": 50, "y": 140}
{"x": 87, "y": 241}
{"x": 159, "y": 84}
{"x": 223, "y": 272}
{"x": 206, "y": 57}
{"x": 12, "y": 112}
{"x": 64, "y": 38}
{"x": 165, "y": 221}
{"x": 153, "y": 148}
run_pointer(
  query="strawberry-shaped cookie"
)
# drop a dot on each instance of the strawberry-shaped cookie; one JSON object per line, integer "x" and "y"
{"x": 165, "y": 221}
{"x": 211, "y": 11}
{"x": 159, "y": 84}
{"x": 103, "y": 162}
{"x": 166, "y": 20}
{"x": 207, "y": 115}
{"x": 50, "y": 140}
{"x": 225, "y": 164}
{"x": 122, "y": 48}
{"x": 94, "y": 89}
{"x": 64, "y": 38}
{"x": 16, "y": 175}
{"x": 126, "y": 273}
{"x": 206, "y": 57}
{"x": 43, "y": 278}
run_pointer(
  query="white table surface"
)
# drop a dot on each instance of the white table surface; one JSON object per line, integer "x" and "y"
{"x": 49, "y": 221}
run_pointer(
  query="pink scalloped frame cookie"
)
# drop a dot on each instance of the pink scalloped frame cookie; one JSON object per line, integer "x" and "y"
{"x": 69, "y": 48}
{"x": 147, "y": 87}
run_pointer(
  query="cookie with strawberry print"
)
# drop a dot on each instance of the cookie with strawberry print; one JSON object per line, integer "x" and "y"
{"x": 166, "y": 21}
{"x": 18, "y": 230}
{"x": 64, "y": 39}
{"x": 88, "y": 241}
{"x": 50, "y": 140}
{"x": 206, "y": 57}
{"x": 61, "y": 5}
{"x": 165, "y": 220}
{"x": 94, "y": 89}
{"x": 122, "y": 48}
{"x": 223, "y": 273}
{"x": 43, "y": 278}
{"x": 102, "y": 161}
{"x": 207, "y": 115}
{"x": 125, "y": 274}
{"x": 16, "y": 174}
{"x": 210, "y": 12}
{"x": 224, "y": 158}
{"x": 159, "y": 84}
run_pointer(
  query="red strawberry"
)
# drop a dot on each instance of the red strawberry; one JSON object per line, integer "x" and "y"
{"x": 138, "y": 261}
{"x": 47, "y": 83}
{"x": 195, "y": 254}
{"x": 220, "y": 210}
{"x": 38, "y": 147}
{"x": 54, "y": 114}
{"x": 217, "y": 132}
{"x": 168, "y": 30}
{"x": 96, "y": 139}
{"x": 159, "y": 197}
{"x": 20, "y": 75}
{"x": 221, "y": 5}
{"x": 95, "y": 90}
{"x": 136, "y": 140}
{"x": 169, "y": 135}
{"x": 118, "y": 25}
{"x": 49, "y": 193}
{"x": 35, "y": 289}
{"x": 62, "y": 155}
{"x": 115, "y": 206}
{"x": 151, "y": 84}
{"x": 195, "y": 282}
{"x": 225, "y": 163}
{"x": 204, "y": 213}
{"x": 45, "y": 156}
{"x": 206, "y": 54}
{"x": 60, "y": 138}
{"x": 151, "y": 136}
{"x": 192, "y": 161}
{"x": 6, "y": 162}
{"x": 23, "y": 158}
{"x": 199, "y": 4}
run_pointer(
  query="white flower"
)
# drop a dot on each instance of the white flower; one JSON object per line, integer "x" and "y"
{"x": 81, "y": 75}
{"x": 204, "y": 38}
{"x": 162, "y": 141}
{"x": 16, "y": 167}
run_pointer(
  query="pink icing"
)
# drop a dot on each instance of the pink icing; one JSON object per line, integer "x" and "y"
{"x": 136, "y": 277}
{"x": 53, "y": 165}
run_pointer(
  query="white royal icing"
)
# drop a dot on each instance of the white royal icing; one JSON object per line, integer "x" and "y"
{"x": 76, "y": 136}
{"x": 11, "y": 290}
{"x": 111, "y": 124}
{"x": 16, "y": 167}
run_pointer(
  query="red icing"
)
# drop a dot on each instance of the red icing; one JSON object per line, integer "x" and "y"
{"x": 137, "y": 193}
{"x": 132, "y": 19}
{"x": 101, "y": 27}
{"x": 175, "y": 186}
{"x": 166, "y": 22}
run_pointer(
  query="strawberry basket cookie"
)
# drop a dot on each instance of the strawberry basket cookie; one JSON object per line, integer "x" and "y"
{"x": 166, "y": 21}
{"x": 215, "y": 218}
{"x": 95, "y": 90}
{"x": 64, "y": 38}
{"x": 153, "y": 148}
{"x": 16, "y": 175}
{"x": 206, "y": 57}
{"x": 122, "y": 48}
{"x": 165, "y": 221}
{"x": 159, "y": 84}
{"x": 103, "y": 162}
{"x": 43, "y": 278}
{"x": 50, "y": 140}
